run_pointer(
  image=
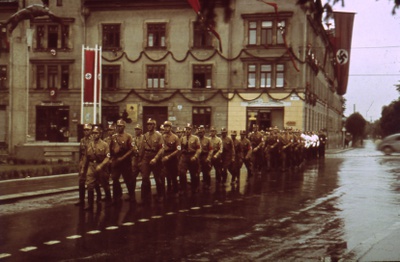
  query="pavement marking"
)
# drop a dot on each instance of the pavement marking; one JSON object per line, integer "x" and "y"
{"x": 195, "y": 208}
{"x": 170, "y": 213}
{"x": 183, "y": 210}
{"x": 156, "y": 217}
{"x": 144, "y": 220}
{"x": 111, "y": 228}
{"x": 74, "y": 237}
{"x": 127, "y": 224}
{"x": 228, "y": 201}
{"x": 4, "y": 255}
{"x": 207, "y": 206}
{"x": 52, "y": 242}
{"x": 93, "y": 232}
{"x": 27, "y": 249}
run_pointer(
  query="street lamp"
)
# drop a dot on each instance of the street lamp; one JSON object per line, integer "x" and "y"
{"x": 344, "y": 135}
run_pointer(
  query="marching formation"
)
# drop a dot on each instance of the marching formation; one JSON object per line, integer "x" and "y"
{"x": 169, "y": 156}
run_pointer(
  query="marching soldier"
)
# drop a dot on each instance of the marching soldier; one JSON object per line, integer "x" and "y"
{"x": 286, "y": 141}
{"x": 228, "y": 153}
{"x": 150, "y": 161}
{"x": 274, "y": 148}
{"x": 170, "y": 153}
{"x": 189, "y": 160}
{"x": 96, "y": 158}
{"x": 121, "y": 148}
{"x": 205, "y": 156}
{"x": 237, "y": 161}
{"x": 247, "y": 151}
{"x": 107, "y": 168}
{"x": 256, "y": 140}
{"x": 137, "y": 144}
{"x": 216, "y": 144}
{"x": 87, "y": 128}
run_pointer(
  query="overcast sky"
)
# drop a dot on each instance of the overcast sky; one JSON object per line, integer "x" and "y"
{"x": 375, "y": 57}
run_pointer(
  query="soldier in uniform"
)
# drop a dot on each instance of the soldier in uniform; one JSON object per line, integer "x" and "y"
{"x": 228, "y": 154}
{"x": 274, "y": 148}
{"x": 107, "y": 168}
{"x": 256, "y": 140}
{"x": 137, "y": 144}
{"x": 247, "y": 151}
{"x": 96, "y": 158}
{"x": 237, "y": 161}
{"x": 150, "y": 161}
{"x": 322, "y": 143}
{"x": 205, "y": 157}
{"x": 87, "y": 129}
{"x": 189, "y": 160}
{"x": 216, "y": 144}
{"x": 170, "y": 153}
{"x": 121, "y": 149}
{"x": 286, "y": 141}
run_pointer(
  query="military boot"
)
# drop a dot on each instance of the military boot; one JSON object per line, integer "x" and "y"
{"x": 82, "y": 191}
{"x": 89, "y": 207}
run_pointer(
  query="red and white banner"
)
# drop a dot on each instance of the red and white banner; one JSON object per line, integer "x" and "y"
{"x": 342, "y": 46}
{"x": 91, "y": 85}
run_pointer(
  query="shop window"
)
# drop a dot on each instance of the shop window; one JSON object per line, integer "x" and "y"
{"x": 201, "y": 116}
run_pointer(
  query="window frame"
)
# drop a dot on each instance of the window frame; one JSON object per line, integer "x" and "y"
{"x": 49, "y": 75}
{"x": 3, "y": 77}
{"x": 51, "y": 36}
{"x": 158, "y": 73}
{"x": 111, "y": 76}
{"x": 4, "y": 39}
{"x": 274, "y": 75}
{"x": 199, "y": 118}
{"x": 202, "y": 76}
{"x": 159, "y": 39}
{"x": 202, "y": 39}
{"x": 111, "y": 36}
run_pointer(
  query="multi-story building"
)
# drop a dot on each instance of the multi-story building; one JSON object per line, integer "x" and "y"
{"x": 236, "y": 63}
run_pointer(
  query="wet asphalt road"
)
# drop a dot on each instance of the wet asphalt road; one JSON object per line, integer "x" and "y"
{"x": 322, "y": 212}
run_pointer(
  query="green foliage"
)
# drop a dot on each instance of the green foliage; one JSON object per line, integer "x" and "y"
{"x": 390, "y": 119}
{"x": 355, "y": 125}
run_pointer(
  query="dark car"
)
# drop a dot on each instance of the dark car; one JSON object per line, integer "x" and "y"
{"x": 390, "y": 144}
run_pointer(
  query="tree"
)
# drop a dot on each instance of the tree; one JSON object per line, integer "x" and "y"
{"x": 355, "y": 125}
{"x": 390, "y": 119}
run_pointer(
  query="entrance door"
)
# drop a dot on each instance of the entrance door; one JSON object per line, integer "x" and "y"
{"x": 52, "y": 123}
{"x": 264, "y": 117}
{"x": 159, "y": 113}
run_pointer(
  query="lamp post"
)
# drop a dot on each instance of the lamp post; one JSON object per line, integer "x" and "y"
{"x": 343, "y": 135}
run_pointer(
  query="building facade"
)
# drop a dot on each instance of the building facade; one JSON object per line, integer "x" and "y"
{"x": 233, "y": 64}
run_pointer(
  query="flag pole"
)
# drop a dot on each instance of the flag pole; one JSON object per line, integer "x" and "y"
{"x": 82, "y": 81}
{"x": 95, "y": 86}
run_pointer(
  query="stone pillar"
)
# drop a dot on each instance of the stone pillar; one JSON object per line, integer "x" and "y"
{"x": 19, "y": 92}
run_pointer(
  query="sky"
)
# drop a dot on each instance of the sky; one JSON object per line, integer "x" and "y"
{"x": 374, "y": 57}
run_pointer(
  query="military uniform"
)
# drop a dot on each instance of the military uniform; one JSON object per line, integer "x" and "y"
{"x": 322, "y": 143}
{"x": 216, "y": 144}
{"x": 237, "y": 161}
{"x": 247, "y": 152}
{"x": 82, "y": 164}
{"x": 96, "y": 158}
{"x": 256, "y": 139}
{"x": 170, "y": 153}
{"x": 137, "y": 143}
{"x": 205, "y": 157}
{"x": 189, "y": 160}
{"x": 151, "y": 152}
{"x": 228, "y": 154}
{"x": 121, "y": 148}
{"x": 286, "y": 141}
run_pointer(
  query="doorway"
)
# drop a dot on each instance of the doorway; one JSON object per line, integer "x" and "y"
{"x": 52, "y": 123}
{"x": 159, "y": 113}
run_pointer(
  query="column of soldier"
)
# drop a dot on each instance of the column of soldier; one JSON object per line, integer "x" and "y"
{"x": 170, "y": 155}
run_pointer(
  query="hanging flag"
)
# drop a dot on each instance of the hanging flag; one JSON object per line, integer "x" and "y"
{"x": 91, "y": 85}
{"x": 342, "y": 46}
{"x": 195, "y": 4}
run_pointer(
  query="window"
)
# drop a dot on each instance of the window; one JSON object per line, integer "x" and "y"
{"x": 201, "y": 36}
{"x": 202, "y": 76}
{"x": 3, "y": 77}
{"x": 4, "y": 41}
{"x": 52, "y": 36}
{"x": 265, "y": 29}
{"x": 59, "y": 2}
{"x": 52, "y": 76}
{"x": 111, "y": 36}
{"x": 110, "y": 80}
{"x": 156, "y": 35}
{"x": 155, "y": 76}
{"x": 262, "y": 75}
{"x": 201, "y": 116}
